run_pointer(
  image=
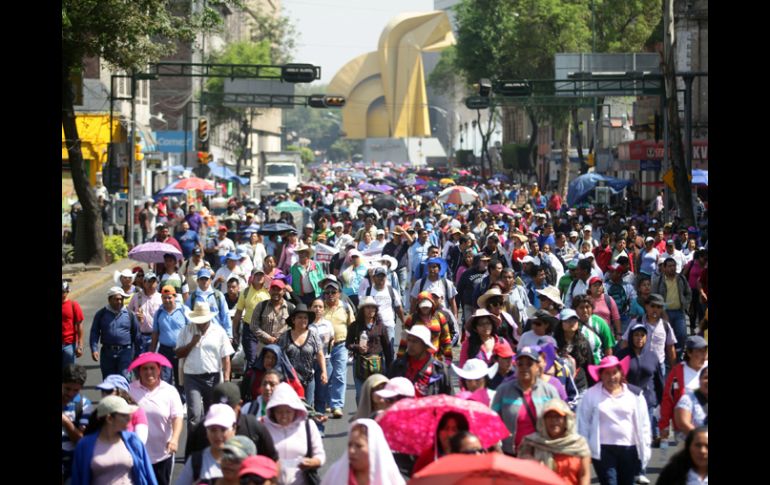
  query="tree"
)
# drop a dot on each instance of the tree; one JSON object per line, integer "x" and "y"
{"x": 278, "y": 31}
{"x": 321, "y": 126}
{"x": 128, "y": 36}
{"x": 304, "y": 152}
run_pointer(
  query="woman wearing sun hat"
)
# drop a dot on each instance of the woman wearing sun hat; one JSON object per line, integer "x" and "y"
{"x": 482, "y": 330}
{"x": 615, "y": 422}
{"x": 117, "y": 385}
{"x": 368, "y": 342}
{"x": 474, "y": 377}
{"x": 302, "y": 347}
{"x": 108, "y": 453}
{"x": 163, "y": 407}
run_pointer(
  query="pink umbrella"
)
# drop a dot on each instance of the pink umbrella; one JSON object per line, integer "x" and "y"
{"x": 152, "y": 252}
{"x": 194, "y": 183}
{"x": 410, "y": 424}
{"x": 464, "y": 172}
{"x": 500, "y": 209}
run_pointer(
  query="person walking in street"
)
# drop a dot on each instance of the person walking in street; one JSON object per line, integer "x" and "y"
{"x": 117, "y": 385}
{"x": 231, "y": 269}
{"x": 108, "y": 453}
{"x": 215, "y": 299}
{"x": 677, "y": 293}
{"x": 684, "y": 377}
{"x": 220, "y": 427}
{"x": 191, "y": 267}
{"x": 165, "y": 413}
{"x": 341, "y": 316}
{"x": 171, "y": 276}
{"x": 76, "y": 410}
{"x": 168, "y": 321}
{"x": 428, "y": 315}
{"x": 254, "y": 294}
{"x": 125, "y": 279}
{"x": 303, "y": 347}
{"x": 306, "y": 275}
{"x": 117, "y": 329}
{"x": 71, "y": 327}
{"x": 144, "y": 305}
{"x": 429, "y": 375}
{"x": 206, "y": 349}
{"x": 268, "y": 320}
{"x": 690, "y": 466}
{"x": 368, "y": 341}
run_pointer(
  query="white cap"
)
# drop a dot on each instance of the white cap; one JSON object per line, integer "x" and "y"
{"x": 398, "y": 386}
{"x": 425, "y": 304}
{"x": 338, "y": 224}
{"x": 116, "y": 290}
{"x": 114, "y": 404}
{"x": 423, "y": 333}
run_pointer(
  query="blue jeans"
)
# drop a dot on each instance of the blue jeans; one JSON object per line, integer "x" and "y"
{"x": 309, "y": 390}
{"x": 115, "y": 360}
{"x": 321, "y": 395}
{"x": 169, "y": 375}
{"x": 67, "y": 354}
{"x": 144, "y": 343}
{"x": 678, "y": 321}
{"x": 338, "y": 375}
{"x": 391, "y": 331}
{"x": 402, "y": 274}
{"x": 619, "y": 465}
{"x": 249, "y": 342}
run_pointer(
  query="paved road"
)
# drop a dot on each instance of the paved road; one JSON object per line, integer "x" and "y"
{"x": 335, "y": 442}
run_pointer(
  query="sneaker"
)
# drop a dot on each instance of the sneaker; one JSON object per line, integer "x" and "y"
{"x": 328, "y": 410}
{"x": 642, "y": 479}
{"x": 337, "y": 413}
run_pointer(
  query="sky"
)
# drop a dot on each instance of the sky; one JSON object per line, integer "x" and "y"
{"x": 330, "y": 33}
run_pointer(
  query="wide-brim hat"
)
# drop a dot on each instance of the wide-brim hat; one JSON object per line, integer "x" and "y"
{"x": 423, "y": 333}
{"x": 201, "y": 313}
{"x": 368, "y": 301}
{"x": 552, "y": 293}
{"x": 480, "y": 313}
{"x": 118, "y": 274}
{"x": 490, "y": 293}
{"x": 609, "y": 362}
{"x": 305, "y": 247}
{"x": 475, "y": 369}
{"x": 301, "y": 308}
{"x": 390, "y": 259}
{"x": 150, "y": 357}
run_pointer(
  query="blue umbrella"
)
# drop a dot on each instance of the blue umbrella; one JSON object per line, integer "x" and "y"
{"x": 583, "y": 186}
{"x": 502, "y": 177}
{"x": 700, "y": 177}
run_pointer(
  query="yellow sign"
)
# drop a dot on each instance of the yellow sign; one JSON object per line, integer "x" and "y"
{"x": 668, "y": 178}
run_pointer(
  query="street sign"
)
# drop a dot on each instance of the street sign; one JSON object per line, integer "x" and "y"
{"x": 513, "y": 88}
{"x": 121, "y": 209}
{"x": 477, "y": 102}
{"x": 668, "y": 178}
{"x": 649, "y": 165}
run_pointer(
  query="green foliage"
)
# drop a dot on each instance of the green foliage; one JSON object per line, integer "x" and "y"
{"x": 515, "y": 156}
{"x": 306, "y": 153}
{"x": 116, "y": 247}
{"x": 445, "y": 75}
{"x": 343, "y": 150}
{"x": 278, "y": 31}
{"x": 626, "y": 25}
{"x": 321, "y": 126}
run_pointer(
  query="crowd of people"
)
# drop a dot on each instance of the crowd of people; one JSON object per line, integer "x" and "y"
{"x": 584, "y": 329}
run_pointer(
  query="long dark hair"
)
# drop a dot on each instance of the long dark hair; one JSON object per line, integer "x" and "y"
{"x": 581, "y": 349}
{"x": 474, "y": 340}
{"x": 462, "y": 424}
{"x": 360, "y": 323}
{"x": 679, "y": 465}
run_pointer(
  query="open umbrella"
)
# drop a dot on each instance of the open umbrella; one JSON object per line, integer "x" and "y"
{"x": 194, "y": 183}
{"x": 152, "y": 252}
{"x": 485, "y": 469}
{"x": 346, "y": 194}
{"x": 385, "y": 202}
{"x": 463, "y": 172}
{"x": 500, "y": 209}
{"x": 287, "y": 205}
{"x": 366, "y": 186}
{"x": 276, "y": 228}
{"x": 410, "y": 424}
{"x": 457, "y": 195}
{"x": 384, "y": 187}
{"x": 310, "y": 186}
{"x": 501, "y": 177}
{"x": 446, "y": 181}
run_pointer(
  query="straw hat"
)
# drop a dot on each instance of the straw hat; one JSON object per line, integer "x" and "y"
{"x": 201, "y": 313}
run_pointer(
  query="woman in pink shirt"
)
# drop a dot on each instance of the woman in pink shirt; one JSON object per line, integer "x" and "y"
{"x": 604, "y": 306}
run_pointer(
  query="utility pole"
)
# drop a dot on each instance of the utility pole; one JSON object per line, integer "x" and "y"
{"x": 131, "y": 141}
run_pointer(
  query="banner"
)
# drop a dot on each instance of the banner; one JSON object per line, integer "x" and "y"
{"x": 324, "y": 253}
{"x": 372, "y": 253}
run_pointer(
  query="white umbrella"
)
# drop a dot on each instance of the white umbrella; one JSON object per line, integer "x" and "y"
{"x": 458, "y": 195}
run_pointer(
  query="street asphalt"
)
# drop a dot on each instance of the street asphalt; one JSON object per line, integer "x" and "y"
{"x": 90, "y": 292}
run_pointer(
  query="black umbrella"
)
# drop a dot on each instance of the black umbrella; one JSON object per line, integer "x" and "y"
{"x": 385, "y": 202}
{"x": 276, "y": 228}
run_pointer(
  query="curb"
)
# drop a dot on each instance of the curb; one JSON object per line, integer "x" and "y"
{"x": 90, "y": 286}
{"x": 92, "y": 282}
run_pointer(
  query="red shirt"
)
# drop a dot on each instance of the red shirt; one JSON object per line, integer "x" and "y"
{"x": 412, "y": 370}
{"x": 524, "y": 424}
{"x": 71, "y": 313}
{"x": 603, "y": 257}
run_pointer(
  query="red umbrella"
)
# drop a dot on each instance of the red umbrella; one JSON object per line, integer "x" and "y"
{"x": 194, "y": 183}
{"x": 486, "y": 469}
{"x": 410, "y": 424}
{"x": 499, "y": 209}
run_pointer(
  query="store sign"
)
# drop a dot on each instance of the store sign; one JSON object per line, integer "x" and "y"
{"x": 649, "y": 150}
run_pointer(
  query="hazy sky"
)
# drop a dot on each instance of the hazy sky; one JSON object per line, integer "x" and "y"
{"x": 330, "y": 33}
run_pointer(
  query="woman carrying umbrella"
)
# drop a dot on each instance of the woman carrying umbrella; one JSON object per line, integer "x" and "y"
{"x": 615, "y": 422}
{"x": 368, "y": 461}
{"x": 557, "y": 445}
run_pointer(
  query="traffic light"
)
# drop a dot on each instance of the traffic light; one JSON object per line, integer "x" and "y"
{"x": 204, "y": 157}
{"x": 138, "y": 155}
{"x": 300, "y": 73}
{"x": 323, "y": 101}
{"x": 513, "y": 88}
{"x": 203, "y": 134}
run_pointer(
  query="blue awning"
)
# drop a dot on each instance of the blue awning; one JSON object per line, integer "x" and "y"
{"x": 220, "y": 171}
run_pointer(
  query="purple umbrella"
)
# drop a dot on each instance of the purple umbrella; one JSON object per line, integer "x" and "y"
{"x": 152, "y": 252}
{"x": 366, "y": 186}
{"x": 384, "y": 187}
{"x": 499, "y": 209}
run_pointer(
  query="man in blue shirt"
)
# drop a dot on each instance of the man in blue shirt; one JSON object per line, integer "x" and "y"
{"x": 168, "y": 321}
{"x": 75, "y": 412}
{"x": 117, "y": 329}
{"x": 188, "y": 239}
{"x": 214, "y": 298}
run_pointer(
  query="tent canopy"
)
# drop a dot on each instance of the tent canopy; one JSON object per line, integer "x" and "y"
{"x": 221, "y": 171}
{"x": 581, "y": 187}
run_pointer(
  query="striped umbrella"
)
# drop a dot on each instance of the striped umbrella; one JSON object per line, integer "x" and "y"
{"x": 458, "y": 195}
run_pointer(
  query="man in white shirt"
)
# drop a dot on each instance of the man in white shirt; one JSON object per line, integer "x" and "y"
{"x": 230, "y": 270}
{"x": 206, "y": 349}
{"x": 675, "y": 254}
{"x": 388, "y": 302}
{"x": 580, "y": 285}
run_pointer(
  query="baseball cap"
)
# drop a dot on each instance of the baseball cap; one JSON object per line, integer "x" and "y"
{"x": 649, "y": 239}
{"x": 222, "y": 228}
{"x": 257, "y": 271}
{"x": 573, "y": 264}
{"x": 220, "y": 415}
{"x": 260, "y": 466}
{"x": 567, "y": 313}
{"x": 239, "y": 448}
{"x": 168, "y": 290}
{"x": 333, "y": 284}
{"x": 196, "y": 251}
{"x": 150, "y": 276}
{"x": 593, "y": 280}
{"x": 113, "y": 381}
{"x": 425, "y": 304}
{"x": 638, "y": 326}
{"x": 503, "y": 350}
{"x": 114, "y": 404}
{"x": 277, "y": 284}
{"x": 695, "y": 342}
{"x": 656, "y": 299}
{"x": 398, "y": 386}
{"x": 116, "y": 290}
{"x": 65, "y": 286}
{"x": 380, "y": 271}
{"x": 226, "y": 393}
{"x": 533, "y": 352}
{"x": 203, "y": 273}
{"x": 573, "y": 234}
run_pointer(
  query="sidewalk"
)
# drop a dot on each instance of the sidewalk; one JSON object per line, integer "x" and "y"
{"x": 85, "y": 281}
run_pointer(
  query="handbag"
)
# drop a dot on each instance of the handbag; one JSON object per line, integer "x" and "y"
{"x": 367, "y": 365}
{"x": 311, "y": 475}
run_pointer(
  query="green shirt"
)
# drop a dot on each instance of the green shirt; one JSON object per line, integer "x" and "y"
{"x": 604, "y": 340}
{"x": 564, "y": 283}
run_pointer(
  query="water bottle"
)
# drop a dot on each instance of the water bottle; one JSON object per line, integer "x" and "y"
{"x": 363, "y": 339}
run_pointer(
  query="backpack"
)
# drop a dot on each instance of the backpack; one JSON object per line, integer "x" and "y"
{"x": 390, "y": 291}
{"x": 217, "y": 296}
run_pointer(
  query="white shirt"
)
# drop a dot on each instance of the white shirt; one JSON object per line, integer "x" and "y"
{"x": 384, "y": 304}
{"x": 226, "y": 274}
{"x": 680, "y": 259}
{"x": 225, "y": 245}
{"x": 692, "y": 377}
{"x": 580, "y": 288}
{"x": 206, "y": 357}
{"x": 436, "y": 287}
{"x": 694, "y": 479}
{"x": 616, "y": 417}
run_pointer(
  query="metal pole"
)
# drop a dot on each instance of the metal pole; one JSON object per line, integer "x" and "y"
{"x": 132, "y": 137}
{"x": 665, "y": 156}
{"x": 688, "y": 79}
{"x": 185, "y": 120}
